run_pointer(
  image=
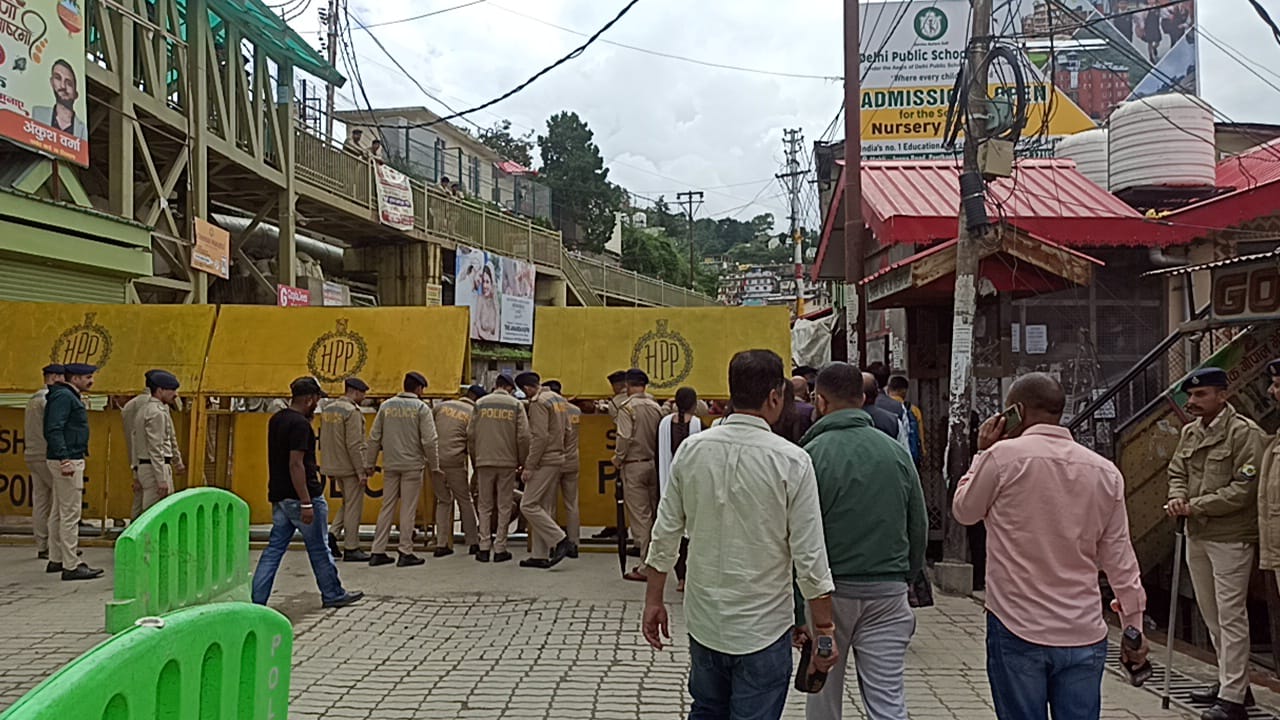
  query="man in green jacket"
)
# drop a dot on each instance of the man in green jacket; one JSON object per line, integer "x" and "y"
{"x": 876, "y": 528}
{"x": 66, "y": 432}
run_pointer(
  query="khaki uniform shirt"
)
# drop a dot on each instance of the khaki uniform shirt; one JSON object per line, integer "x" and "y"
{"x": 342, "y": 444}
{"x": 548, "y": 416}
{"x": 638, "y": 429}
{"x": 405, "y": 431}
{"x": 573, "y": 418}
{"x": 452, "y": 420}
{"x": 154, "y": 438}
{"x": 616, "y": 403}
{"x": 498, "y": 435}
{"x": 1269, "y": 507}
{"x": 1216, "y": 470}
{"x": 129, "y": 416}
{"x": 34, "y": 446}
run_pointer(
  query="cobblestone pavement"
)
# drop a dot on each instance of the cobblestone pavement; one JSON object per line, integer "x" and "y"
{"x": 456, "y": 639}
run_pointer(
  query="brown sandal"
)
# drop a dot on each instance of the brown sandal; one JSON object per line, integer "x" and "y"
{"x": 636, "y": 576}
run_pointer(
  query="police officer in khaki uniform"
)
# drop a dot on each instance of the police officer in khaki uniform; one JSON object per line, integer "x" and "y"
{"x": 155, "y": 441}
{"x": 1213, "y": 482}
{"x": 452, "y": 420}
{"x": 548, "y": 418}
{"x": 635, "y": 458}
{"x": 618, "y": 384}
{"x": 129, "y": 413}
{"x": 569, "y": 471}
{"x": 498, "y": 441}
{"x": 1269, "y": 489}
{"x": 34, "y": 448}
{"x": 405, "y": 431}
{"x": 342, "y": 460}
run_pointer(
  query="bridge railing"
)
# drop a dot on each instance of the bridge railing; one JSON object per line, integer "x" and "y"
{"x": 192, "y": 548}
{"x": 214, "y": 662}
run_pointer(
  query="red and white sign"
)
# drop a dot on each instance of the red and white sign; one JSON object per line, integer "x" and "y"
{"x": 290, "y": 296}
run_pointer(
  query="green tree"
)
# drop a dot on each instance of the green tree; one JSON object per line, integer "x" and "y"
{"x": 573, "y": 168}
{"x": 510, "y": 146}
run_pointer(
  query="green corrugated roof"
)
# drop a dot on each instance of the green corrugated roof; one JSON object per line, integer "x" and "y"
{"x": 260, "y": 24}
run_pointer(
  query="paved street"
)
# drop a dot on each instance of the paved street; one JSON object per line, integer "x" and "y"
{"x": 456, "y": 639}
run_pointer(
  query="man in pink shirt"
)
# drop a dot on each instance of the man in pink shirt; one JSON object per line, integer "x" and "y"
{"x": 1055, "y": 514}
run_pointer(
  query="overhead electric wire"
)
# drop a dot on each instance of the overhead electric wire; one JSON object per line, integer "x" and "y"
{"x": 1095, "y": 21}
{"x": 1226, "y": 50}
{"x": 672, "y": 56}
{"x": 1266, "y": 18}
{"x": 433, "y": 13}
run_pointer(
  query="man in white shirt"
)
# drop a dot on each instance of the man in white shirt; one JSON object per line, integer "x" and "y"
{"x": 748, "y": 500}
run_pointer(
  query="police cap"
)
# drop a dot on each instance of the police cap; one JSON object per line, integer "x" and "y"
{"x": 554, "y": 386}
{"x": 54, "y": 369}
{"x": 636, "y": 376}
{"x": 1205, "y": 377}
{"x": 163, "y": 380}
{"x": 504, "y": 380}
{"x": 475, "y": 392}
{"x": 1273, "y": 367}
{"x": 414, "y": 380}
{"x": 528, "y": 379}
{"x": 617, "y": 377}
{"x": 355, "y": 383}
{"x": 73, "y": 369}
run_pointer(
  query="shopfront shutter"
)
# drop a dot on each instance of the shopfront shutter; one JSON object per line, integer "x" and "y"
{"x": 30, "y": 282}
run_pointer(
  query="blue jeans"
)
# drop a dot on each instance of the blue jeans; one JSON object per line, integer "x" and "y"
{"x": 1027, "y": 678}
{"x": 740, "y": 687}
{"x": 286, "y": 519}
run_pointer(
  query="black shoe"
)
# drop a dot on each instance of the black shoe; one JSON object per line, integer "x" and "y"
{"x": 473, "y": 549}
{"x": 501, "y": 557}
{"x": 560, "y": 552}
{"x": 608, "y": 532}
{"x": 538, "y": 563}
{"x": 1209, "y": 696}
{"x": 355, "y": 556}
{"x": 633, "y": 551}
{"x": 82, "y": 572}
{"x": 42, "y": 555}
{"x": 333, "y": 545}
{"x": 409, "y": 561}
{"x": 351, "y": 598}
{"x": 377, "y": 559}
{"x": 442, "y": 552}
{"x": 573, "y": 553}
{"x": 1225, "y": 710}
{"x": 482, "y": 556}
{"x": 53, "y": 567}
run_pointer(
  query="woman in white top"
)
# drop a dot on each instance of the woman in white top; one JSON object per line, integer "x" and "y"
{"x": 673, "y": 430}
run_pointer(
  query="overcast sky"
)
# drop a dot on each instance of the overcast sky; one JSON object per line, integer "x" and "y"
{"x": 666, "y": 125}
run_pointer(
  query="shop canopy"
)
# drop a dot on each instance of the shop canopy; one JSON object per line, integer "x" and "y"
{"x": 1013, "y": 262}
{"x": 677, "y": 347}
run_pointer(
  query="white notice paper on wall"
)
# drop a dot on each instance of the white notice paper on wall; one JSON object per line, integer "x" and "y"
{"x": 1015, "y": 338}
{"x": 1037, "y": 339}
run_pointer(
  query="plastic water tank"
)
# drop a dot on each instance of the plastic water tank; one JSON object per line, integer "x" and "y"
{"x": 1162, "y": 141}
{"x": 1091, "y": 154}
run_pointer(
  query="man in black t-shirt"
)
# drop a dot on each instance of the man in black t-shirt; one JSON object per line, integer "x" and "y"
{"x": 297, "y": 498}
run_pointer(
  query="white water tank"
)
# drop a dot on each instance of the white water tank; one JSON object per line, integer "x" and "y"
{"x": 1091, "y": 154}
{"x": 1163, "y": 140}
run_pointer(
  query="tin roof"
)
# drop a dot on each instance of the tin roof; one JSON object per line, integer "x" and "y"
{"x": 1251, "y": 168}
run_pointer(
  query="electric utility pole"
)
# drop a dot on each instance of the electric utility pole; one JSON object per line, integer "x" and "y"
{"x": 973, "y": 222}
{"x": 691, "y": 201}
{"x": 794, "y": 179}
{"x": 854, "y": 253}
{"x": 330, "y": 17}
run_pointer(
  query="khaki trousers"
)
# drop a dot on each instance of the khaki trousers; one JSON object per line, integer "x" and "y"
{"x": 137, "y": 495}
{"x": 569, "y": 492}
{"x": 346, "y": 522}
{"x": 41, "y": 503}
{"x": 453, "y": 487}
{"x": 404, "y": 487}
{"x": 639, "y": 496}
{"x": 64, "y": 518}
{"x": 538, "y": 507}
{"x": 497, "y": 488}
{"x": 1220, "y": 574}
{"x": 152, "y": 477}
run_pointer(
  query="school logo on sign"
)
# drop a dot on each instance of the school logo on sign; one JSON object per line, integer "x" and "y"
{"x": 87, "y": 343}
{"x": 664, "y": 355}
{"x": 337, "y": 355}
{"x": 931, "y": 24}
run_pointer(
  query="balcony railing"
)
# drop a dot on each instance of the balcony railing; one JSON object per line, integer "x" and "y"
{"x": 329, "y": 167}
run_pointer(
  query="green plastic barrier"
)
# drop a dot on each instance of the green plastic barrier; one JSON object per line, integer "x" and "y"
{"x": 229, "y": 661}
{"x": 192, "y": 548}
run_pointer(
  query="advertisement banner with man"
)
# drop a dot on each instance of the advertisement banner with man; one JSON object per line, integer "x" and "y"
{"x": 499, "y": 291}
{"x": 43, "y": 98}
{"x": 1079, "y": 60}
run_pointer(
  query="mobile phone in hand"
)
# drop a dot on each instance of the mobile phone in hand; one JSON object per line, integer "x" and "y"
{"x": 806, "y": 682}
{"x": 1012, "y": 419}
{"x": 1138, "y": 674}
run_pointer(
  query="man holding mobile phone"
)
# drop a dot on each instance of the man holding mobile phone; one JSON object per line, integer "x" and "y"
{"x": 1055, "y": 513}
